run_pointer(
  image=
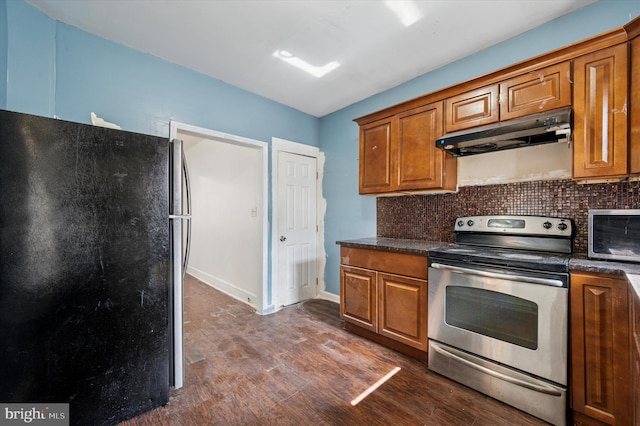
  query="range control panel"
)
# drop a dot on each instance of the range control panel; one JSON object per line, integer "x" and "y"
{"x": 521, "y": 225}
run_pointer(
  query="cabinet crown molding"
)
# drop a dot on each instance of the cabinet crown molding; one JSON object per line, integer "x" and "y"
{"x": 566, "y": 53}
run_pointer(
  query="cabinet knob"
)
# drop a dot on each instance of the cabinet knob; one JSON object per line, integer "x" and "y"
{"x": 283, "y": 238}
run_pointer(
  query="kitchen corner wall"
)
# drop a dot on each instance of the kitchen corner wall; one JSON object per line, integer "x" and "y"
{"x": 431, "y": 217}
{"x": 351, "y": 216}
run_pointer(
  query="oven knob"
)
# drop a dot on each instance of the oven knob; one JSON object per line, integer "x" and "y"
{"x": 547, "y": 225}
{"x": 460, "y": 223}
{"x": 562, "y": 226}
{"x": 470, "y": 222}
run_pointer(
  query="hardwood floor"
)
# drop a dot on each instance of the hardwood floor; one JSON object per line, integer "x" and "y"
{"x": 299, "y": 367}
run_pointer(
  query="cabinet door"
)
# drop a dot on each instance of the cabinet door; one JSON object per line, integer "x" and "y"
{"x": 634, "y": 111}
{"x": 600, "y": 376}
{"x": 634, "y": 308}
{"x": 471, "y": 109}
{"x": 358, "y": 297}
{"x": 600, "y": 114}
{"x": 403, "y": 309}
{"x": 376, "y": 156}
{"x": 535, "y": 92}
{"x": 420, "y": 163}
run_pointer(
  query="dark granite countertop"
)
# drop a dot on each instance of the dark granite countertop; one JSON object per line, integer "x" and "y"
{"x": 578, "y": 262}
{"x": 393, "y": 244}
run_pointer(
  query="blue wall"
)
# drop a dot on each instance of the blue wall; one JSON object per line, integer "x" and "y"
{"x": 3, "y": 53}
{"x": 352, "y": 216}
{"x": 56, "y": 69}
{"x": 141, "y": 93}
{"x": 31, "y": 66}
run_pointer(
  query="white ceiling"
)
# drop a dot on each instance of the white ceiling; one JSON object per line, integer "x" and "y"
{"x": 234, "y": 40}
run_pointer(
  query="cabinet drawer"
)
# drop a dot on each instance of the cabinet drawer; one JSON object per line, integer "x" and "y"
{"x": 411, "y": 265}
{"x": 472, "y": 109}
{"x": 535, "y": 92}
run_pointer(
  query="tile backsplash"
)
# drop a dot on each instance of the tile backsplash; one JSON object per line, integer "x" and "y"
{"x": 431, "y": 217}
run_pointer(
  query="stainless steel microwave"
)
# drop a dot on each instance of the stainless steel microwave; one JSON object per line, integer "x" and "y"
{"x": 614, "y": 234}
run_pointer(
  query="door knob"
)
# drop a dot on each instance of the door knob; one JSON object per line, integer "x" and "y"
{"x": 283, "y": 238}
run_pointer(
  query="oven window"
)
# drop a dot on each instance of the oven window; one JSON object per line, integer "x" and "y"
{"x": 490, "y": 313}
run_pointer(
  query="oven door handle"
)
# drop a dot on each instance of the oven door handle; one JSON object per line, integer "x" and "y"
{"x": 497, "y": 275}
{"x": 538, "y": 387}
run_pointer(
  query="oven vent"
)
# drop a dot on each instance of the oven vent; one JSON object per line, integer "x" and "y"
{"x": 547, "y": 127}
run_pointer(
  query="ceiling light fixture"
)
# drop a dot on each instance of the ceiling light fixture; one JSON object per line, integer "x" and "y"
{"x": 405, "y": 10}
{"x": 305, "y": 66}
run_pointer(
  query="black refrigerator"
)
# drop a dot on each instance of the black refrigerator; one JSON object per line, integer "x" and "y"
{"x": 88, "y": 266}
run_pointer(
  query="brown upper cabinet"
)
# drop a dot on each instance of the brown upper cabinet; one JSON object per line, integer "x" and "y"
{"x": 634, "y": 90}
{"x": 473, "y": 108}
{"x": 600, "y": 114}
{"x": 398, "y": 153}
{"x": 376, "y": 156}
{"x": 420, "y": 164}
{"x": 537, "y": 91}
{"x": 599, "y": 77}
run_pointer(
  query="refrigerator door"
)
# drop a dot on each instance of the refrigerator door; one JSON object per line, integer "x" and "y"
{"x": 180, "y": 244}
{"x": 84, "y": 268}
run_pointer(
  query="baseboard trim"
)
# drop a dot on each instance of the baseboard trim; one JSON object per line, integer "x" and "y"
{"x": 226, "y": 287}
{"x": 329, "y": 296}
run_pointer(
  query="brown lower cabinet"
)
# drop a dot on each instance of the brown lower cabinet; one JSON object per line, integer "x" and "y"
{"x": 600, "y": 350}
{"x": 383, "y": 296}
{"x": 634, "y": 311}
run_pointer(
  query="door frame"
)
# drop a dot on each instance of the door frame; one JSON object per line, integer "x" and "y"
{"x": 175, "y": 128}
{"x": 282, "y": 145}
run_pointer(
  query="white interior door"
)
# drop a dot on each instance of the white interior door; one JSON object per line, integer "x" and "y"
{"x": 297, "y": 227}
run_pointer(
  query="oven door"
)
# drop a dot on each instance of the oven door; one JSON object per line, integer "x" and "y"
{"x": 514, "y": 319}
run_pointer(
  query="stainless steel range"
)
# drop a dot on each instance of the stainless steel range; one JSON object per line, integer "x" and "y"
{"x": 498, "y": 310}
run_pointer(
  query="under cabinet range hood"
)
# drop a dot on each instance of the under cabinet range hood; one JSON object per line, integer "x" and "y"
{"x": 537, "y": 129}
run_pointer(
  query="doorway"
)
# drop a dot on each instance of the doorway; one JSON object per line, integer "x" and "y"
{"x": 229, "y": 212}
{"x": 228, "y": 220}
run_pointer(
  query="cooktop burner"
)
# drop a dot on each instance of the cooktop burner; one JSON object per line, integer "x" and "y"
{"x": 525, "y": 242}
